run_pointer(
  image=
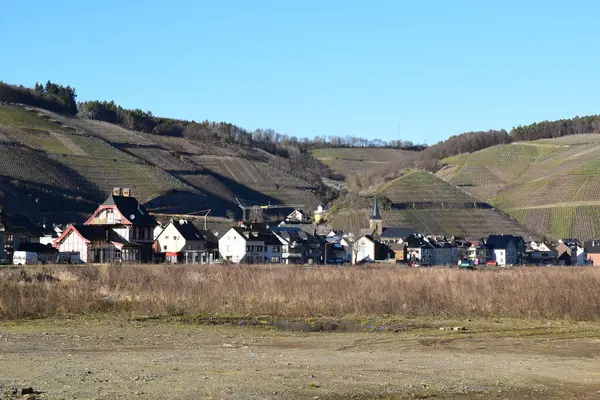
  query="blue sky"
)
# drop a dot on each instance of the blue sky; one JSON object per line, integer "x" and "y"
{"x": 415, "y": 70}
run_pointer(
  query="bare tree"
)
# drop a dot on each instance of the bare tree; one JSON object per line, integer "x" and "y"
{"x": 256, "y": 215}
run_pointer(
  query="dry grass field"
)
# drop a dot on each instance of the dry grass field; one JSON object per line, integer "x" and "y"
{"x": 233, "y": 332}
{"x": 283, "y": 291}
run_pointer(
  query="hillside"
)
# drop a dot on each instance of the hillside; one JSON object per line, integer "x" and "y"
{"x": 422, "y": 201}
{"x": 348, "y": 161}
{"x": 551, "y": 185}
{"x": 46, "y": 156}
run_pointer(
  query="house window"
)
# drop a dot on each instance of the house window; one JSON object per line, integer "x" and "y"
{"x": 276, "y": 249}
{"x": 275, "y": 260}
{"x": 249, "y": 248}
{"x": 166, "y": 237}
{"x": 164, "y": 247}
{"x": 259, "y": 248}
{"x": 228, "y": 248}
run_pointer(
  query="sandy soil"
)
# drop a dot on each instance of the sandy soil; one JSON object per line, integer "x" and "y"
{"x": 117, "y": 358}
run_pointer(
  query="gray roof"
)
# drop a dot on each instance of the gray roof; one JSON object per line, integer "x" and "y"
{"x": 593, "y": 246}
{"x": 291, "y": 233}
{"x": 131, "y": 209}
{"x": 397, "y": 232}
{"x": 501, "y": 241}
{"x": 20, "y": 223}
{"x": 188, "y": 231}
{"x": 258, "y": 235}
{"x": 415, "y": 240}
{"x": 99, "y": 233}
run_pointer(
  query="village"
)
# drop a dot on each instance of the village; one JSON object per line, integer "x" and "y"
{"x": 122, "y": 231}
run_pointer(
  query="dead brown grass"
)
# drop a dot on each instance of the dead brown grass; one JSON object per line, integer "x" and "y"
{"x": 553, "y": 293}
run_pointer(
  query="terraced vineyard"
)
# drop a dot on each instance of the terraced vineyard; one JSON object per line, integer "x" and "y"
{"x": 483, "y": 178}
{"x": 79, "y": 161}
{"x": 27, "y": 166}
{"x": 19, "y": 117}
{"x": 165, "y": 159}
{"x": 422, "y": 201}
{"x": 422, "y": 186}
{"x": 35, "y": 139}
{"x": 259, "y": 180}
{"x": 108, "y": 132}
{"x": 552, "y": 187}
{"x": 582, "y": 222}
{"x": 347, "y": 161}
{"x": 212, "y": 185}
{"x": 148, "y": 181}
{"x": 472, "y": 223}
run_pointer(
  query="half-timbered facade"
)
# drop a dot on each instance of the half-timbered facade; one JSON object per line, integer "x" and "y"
{"x": 119, "y": 230}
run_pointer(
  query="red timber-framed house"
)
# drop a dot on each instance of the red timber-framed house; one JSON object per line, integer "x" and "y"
{"x": 120, "y": 230}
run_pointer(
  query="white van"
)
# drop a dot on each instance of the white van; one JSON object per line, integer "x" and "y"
{"x": 25, "y": 258}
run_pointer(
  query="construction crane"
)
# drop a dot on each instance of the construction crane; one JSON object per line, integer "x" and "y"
{"x": 244, "y": 206}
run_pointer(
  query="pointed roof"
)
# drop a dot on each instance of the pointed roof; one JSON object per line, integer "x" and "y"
{"x": 94, "y": 233}
{"x": 131, "y": 209}
{"x": 375, "y": 215}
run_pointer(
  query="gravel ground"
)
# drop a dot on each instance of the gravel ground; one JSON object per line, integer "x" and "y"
{"x": 117, "y": 358}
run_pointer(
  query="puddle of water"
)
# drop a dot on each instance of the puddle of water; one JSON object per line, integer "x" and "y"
{"x": 293, "y": 325}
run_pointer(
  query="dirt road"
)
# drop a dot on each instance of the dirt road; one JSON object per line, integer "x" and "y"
{"x": 117, "y": 358}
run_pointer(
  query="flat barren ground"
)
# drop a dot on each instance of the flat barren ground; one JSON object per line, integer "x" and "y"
{"x": 119, "y": 358}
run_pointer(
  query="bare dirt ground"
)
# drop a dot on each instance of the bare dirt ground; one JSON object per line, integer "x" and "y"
{"x": 121, "y": 358}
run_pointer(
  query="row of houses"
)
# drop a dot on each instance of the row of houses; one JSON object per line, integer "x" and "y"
{"x": 121, "y": 230}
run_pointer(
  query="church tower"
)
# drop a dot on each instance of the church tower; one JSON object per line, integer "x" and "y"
{"x": 375, "y": 220}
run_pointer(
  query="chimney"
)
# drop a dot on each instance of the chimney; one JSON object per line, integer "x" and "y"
{"x": 116, "y": 191}
{"x": 126, "y": 192}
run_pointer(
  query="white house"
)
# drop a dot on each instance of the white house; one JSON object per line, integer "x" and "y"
{"x": 505, "y": 249}
{"x": 158, "y": 230}
{"x": 95, "y": 244}
{"x": 367, "y": 249}
{"x": 123, "y": 214}
{"x": 363, "y": 249}
{"x": 245, "y": 245}
{"x": 181, "y": 241}
{"x": 297, "y": 216}
{"x": 119, "y": 230}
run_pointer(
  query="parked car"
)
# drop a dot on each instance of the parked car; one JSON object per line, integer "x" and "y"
{"x": 68, "y": 257}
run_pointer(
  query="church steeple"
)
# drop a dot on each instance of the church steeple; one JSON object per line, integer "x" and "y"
{"x": 375, "y": 215}
{"x": 375, "y": 220}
